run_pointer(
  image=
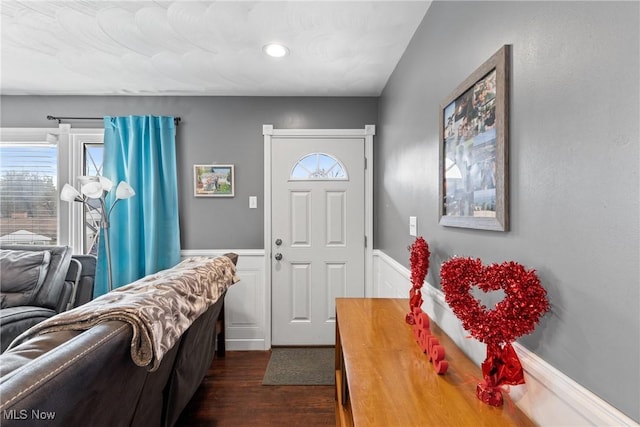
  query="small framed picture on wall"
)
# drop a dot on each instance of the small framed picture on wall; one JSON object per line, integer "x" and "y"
{"x": 213, "y": 181}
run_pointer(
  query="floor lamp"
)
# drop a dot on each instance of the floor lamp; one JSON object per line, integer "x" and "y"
{"x": 97, "y": 188}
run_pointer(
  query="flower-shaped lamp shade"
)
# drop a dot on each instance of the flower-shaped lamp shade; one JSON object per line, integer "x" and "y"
{"x": 124, "y": 191}
{"x": 86, "y": 179}
{"x": 94, "y": 187}
{"x": 92, "y": 190}
{"x": 70, "y": 194}
{"x": 106, "y": 183}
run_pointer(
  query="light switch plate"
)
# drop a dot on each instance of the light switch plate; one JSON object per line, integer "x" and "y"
{"x": 253, "y": 202}
{"x": 413, "y": 226}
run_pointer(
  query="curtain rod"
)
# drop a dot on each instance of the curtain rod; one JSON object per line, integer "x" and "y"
{"x": 176, "y": 120}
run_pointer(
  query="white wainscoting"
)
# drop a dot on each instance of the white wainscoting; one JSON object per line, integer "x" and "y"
{"x": 245, "y": 302}
{"x": 549, "y": 397}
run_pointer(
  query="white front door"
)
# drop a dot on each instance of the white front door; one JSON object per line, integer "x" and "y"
{"x": 318, "y": 234}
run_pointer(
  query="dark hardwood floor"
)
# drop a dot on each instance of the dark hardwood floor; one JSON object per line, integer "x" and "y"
{"x": 232, "y": 394}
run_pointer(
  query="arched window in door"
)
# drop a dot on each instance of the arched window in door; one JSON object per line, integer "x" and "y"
{"x": 319, "y": 167}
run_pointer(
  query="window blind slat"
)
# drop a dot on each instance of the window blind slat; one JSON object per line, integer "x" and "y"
{"x": 28, "y": 193}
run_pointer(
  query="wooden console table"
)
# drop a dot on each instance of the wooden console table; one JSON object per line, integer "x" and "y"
{"x": 384, "y": 379}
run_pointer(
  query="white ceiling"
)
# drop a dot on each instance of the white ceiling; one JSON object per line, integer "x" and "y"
{"x": 339, "y": 48}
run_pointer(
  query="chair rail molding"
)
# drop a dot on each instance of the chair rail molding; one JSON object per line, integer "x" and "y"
{"x": 549, "y": 397}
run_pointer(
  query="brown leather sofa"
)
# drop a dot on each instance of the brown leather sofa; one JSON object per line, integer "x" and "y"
{"x": 73, "y": 378}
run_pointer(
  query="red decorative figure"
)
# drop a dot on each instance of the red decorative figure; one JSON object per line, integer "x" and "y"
{"x": 517, "y": 314}
{"x": 416, "y": 317}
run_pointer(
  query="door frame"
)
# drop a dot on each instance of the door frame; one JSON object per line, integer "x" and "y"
{"x": 269, "y": 133}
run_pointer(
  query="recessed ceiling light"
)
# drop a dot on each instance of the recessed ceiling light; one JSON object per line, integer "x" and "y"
{"x": 275, "y": 50}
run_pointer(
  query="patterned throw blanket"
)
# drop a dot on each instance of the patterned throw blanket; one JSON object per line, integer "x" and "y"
{"x": 159, "y": 307}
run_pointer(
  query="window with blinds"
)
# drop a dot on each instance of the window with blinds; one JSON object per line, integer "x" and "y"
{"x": 28, "y": 193}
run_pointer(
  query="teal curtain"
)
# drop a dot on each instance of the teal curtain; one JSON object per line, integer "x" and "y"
{"x": 144, "y": 230}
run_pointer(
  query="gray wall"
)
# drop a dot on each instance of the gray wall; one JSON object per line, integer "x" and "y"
{"x": 574, "y": 165}
{"x": 574, "y": 170}
{"x": 213, "y": 129}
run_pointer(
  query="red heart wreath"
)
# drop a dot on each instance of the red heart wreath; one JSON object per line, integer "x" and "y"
{"x": 516, "y": 315}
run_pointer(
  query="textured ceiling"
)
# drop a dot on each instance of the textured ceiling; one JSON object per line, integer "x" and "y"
{"x": 339, "y": 48}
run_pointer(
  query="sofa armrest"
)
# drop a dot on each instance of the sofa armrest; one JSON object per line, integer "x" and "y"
{"x": 84, "y": 292}
{"x": 73, "y": 278}
{"x": 16, "y": 320}
{"x": 84, "y": 377}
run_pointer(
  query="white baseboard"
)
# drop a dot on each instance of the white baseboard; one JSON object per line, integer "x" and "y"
{"x": 549, "y": 397}
{"x": 245, "y": 345}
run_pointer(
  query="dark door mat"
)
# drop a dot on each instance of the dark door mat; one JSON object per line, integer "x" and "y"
{"x": 301, "y": 366}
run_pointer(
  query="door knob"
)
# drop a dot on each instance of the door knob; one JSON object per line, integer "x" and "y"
{"x": 278, "y": 256}
{"x": 278, "y": 242}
